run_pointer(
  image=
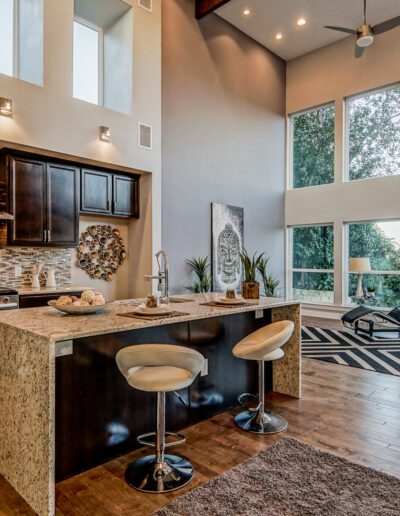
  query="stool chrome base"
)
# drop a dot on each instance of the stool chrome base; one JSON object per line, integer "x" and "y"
{"x": 146, "y": 475}
{"x": 254, "y": 422}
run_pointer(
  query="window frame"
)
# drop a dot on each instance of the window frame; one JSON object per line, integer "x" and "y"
{"x": 289, "y": 261}
{"x": 100, "y": 78}
{"x": 290, "y": 143}
{"x": 346, "y": 248}
{"x": 346, "y": 129}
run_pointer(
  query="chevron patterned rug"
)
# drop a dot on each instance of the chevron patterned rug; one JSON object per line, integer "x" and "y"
{"x": 347, "y": 348}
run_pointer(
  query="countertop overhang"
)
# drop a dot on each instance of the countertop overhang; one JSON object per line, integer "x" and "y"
{"x": 55, "y": 326}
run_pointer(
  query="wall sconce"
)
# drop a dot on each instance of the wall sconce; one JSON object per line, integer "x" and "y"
{"x": 6, "y": 108}
{"x": 105, "y": 134}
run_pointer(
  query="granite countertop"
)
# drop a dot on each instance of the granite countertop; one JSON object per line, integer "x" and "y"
{"x": 24, "y": 291}
{"x": 52, "y": 324}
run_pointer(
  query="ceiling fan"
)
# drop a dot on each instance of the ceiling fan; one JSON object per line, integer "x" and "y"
{"x": 365, "y": 33}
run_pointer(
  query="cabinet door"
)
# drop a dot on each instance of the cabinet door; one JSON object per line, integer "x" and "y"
{"x": 27, "y": 201}
{"x": 96, "y": 191}
{"x": 125, "y": 196}
{"x": 62, "y": 205}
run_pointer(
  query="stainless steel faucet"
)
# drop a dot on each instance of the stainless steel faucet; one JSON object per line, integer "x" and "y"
{"x": 163, "y": 275}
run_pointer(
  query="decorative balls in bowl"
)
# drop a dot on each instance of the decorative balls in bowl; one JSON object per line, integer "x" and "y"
{"x": 90, "y": 302}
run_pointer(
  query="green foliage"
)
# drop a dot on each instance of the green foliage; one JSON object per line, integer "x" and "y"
{"x": 270, "y": 283}
{"x": 250, "y": 265}
{"x": 374, "y": 135}
{"x": 314, "y": 147}
{"x": 200, "y": 268}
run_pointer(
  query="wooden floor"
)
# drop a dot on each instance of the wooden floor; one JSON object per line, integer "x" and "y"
{"x": 346, "y": 411}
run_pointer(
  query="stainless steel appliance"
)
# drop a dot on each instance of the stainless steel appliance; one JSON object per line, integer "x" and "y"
{"x": 9, "y": 299}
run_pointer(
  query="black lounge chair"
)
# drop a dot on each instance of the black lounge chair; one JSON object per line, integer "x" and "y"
{"x": 373, "y": 322}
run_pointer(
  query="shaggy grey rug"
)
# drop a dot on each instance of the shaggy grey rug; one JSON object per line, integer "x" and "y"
{"x": 292, "y": 478}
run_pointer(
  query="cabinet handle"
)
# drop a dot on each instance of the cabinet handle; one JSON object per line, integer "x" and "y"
{"x": 108, "y": 205}
{"x": 44, "y": 235}
{"x": 113, "y": 206}
{"x": 48, "y": 235}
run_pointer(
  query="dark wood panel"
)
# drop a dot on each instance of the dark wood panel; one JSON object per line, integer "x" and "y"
{"x": 96, "y": 191}
{"x": 204, "y": 7}
{"x": 228, "y": 376}
{"x": 125, "y": 196}
{"x": 62, "y": 205}
{"x": 37, "y": 300}
{"x": 27, "y": 201}
{"x": 98, "y": 415}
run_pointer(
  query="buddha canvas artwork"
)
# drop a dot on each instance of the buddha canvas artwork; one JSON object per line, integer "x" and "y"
{"x": 227, "y": 241}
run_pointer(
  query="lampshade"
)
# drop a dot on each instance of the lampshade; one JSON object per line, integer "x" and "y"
{"x": 360, "y": 265}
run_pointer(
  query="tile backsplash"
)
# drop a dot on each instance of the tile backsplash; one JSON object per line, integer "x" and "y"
{"x": 26, "y": 258}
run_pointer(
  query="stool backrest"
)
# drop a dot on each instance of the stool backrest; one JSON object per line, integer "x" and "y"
{"x": 151, "y": 355}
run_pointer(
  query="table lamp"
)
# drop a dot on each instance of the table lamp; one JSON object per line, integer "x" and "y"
{"x": 360, "y": 266}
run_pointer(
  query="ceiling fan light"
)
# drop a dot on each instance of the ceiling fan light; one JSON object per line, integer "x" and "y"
{"x": 365, "y": 41}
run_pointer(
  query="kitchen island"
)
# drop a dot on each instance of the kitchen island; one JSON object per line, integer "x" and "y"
{"x": 64, "y": 407}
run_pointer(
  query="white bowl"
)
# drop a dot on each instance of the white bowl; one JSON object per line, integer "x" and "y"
{"x": 77, "y": 310}
{"x": 226, "y": 301}
{"x": 159, "y": 310}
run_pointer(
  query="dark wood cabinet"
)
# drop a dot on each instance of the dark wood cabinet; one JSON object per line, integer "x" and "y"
{"x": 27, "y": 183}
{"x": 125, "y": 196}
{"x": 44, "y": 199}
{"x": 62, "y": 205}
{"x": 106, "y": 193}
{"x": 96, "y": 192}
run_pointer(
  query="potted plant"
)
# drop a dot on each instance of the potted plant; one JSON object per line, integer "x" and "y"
{"x": 200, "y": 267}
{"x": 250, "y": 285}
{"x": 270, "y": 283}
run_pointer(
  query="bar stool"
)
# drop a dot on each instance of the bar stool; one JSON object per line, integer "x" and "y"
{"x": 159, "y": 368}
{"x": 263, "y": 345}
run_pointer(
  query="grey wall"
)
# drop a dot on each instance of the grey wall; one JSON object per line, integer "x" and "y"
{"x": 223, "y": 136}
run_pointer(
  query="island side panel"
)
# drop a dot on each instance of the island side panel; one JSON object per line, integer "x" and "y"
{"x": 27, "y": 422}
{"x": 287, "y": 370}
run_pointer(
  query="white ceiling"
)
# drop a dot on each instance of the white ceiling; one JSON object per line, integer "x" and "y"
{"x": 268, "y": 17}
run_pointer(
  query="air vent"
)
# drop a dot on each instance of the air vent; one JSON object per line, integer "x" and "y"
{"x": 145, "y": 136}
{"x": 146, "y": 4}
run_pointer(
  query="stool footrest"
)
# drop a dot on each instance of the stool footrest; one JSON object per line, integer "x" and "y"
{"x": 245, "y": 398}
{"x": 146, "y": 441}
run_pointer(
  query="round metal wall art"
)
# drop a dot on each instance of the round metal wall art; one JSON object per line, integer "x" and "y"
{"x": 101, "y": 251}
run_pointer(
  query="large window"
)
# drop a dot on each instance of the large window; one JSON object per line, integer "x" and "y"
{"x": 313, "y": 147}
{"x": 380, "y": 242}
{"x": 87, "y": 79}
{"x": 312, "y": 263}
{"x": 374, "y": 134}
{"x": 103, "y": 54}
{"x": 21, "y": 39}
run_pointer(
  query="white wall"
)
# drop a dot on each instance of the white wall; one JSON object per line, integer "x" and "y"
{"x": 331, "y": 74}
{"x": 49, "y": 117}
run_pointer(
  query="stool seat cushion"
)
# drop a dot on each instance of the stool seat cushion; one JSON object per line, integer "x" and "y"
{"x": 159, "y": 378}
{"x": 261, "y": 344}
{"x": 159, "y": 367}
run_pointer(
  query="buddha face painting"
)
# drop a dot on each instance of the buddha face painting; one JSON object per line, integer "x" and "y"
{"x": 228, "y": 257}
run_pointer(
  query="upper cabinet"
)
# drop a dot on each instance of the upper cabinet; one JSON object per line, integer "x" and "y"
{"x": 44, "y": 199}
{"x": 45, "y": 195}
{"x": 96, "y": 192}
{"x": 107, "y": 193}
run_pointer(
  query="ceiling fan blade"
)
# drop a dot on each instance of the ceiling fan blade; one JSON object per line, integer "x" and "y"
{"x": 341, "y": 29}
{"x": 386, "y": 25}
{"x": 358, "y": 52}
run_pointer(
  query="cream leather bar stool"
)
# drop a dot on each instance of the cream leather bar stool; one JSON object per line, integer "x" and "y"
{"x": 159, "y": 368}
{"x": 263, "y": 345}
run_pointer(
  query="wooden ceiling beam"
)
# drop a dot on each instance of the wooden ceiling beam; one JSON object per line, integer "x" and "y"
{"x": 204, "y": 7}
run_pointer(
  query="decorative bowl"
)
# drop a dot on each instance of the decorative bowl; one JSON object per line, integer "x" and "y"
{"x": 77, "y": 310}
{"x": 228, "y": 301}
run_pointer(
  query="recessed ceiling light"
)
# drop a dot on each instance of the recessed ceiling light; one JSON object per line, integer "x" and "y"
{"x": 301, "y": 21}
{"x": 246, "y": 12}
{"x": 279, "y": 36}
